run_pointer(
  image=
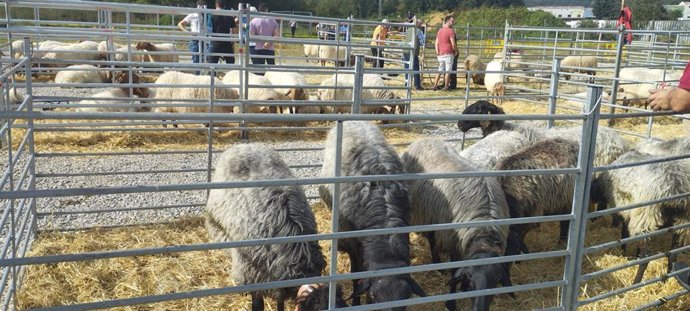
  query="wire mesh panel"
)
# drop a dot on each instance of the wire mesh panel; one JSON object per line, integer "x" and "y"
{"x": 115, "y": 156}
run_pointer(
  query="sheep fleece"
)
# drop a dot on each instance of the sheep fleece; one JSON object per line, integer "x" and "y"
{"x": 453, "y": 200}
{"x": 234, "y": 214}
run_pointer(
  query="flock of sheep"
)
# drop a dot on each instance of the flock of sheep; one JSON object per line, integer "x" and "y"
{"x": 269, "y": 212}
{"x": 634, "y": 86}
{"x": 273, "y": 86}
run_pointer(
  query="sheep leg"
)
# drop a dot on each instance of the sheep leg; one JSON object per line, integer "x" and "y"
{"x": 431, "y": 238}
{"x": 641, "y": 252}
{"x": 257, "y": 302}
{"x": 624, "y": 232}
{"x": 355, "y": 266}
{"x": 564, "y": 230}
{"x": 672, "y": 256}
{"x": 451, "y": 305}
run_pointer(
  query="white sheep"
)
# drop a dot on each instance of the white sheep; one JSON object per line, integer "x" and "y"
{"x": 586, "y": 64}
{"x": 159, "y": 52}
{"x": 15, "y": 97}
{"x": 473, "y": 63}
{"x": 311, "y": 50}
{"x": 83, "y": 74}
{"x": 493, "y": 81}
{"x": 636, "y": 82}
{"x": 254, "y": 92}
{"x": 86, "y": 50}
{"x": 296, "y": 92}
{"x": 514, "y": 59}
{"x": 116, "y": 96}
{"x": 183, "y": 94}
{"x": 342, "y": 93}
{"x": 331, "y": 53}
{"x": 120, "y": 52}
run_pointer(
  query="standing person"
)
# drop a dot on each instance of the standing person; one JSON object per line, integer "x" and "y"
{"x": 221, "y": 24}
{"x": 293, "y": 27}
{"x": 377, "y": 42}
{"x": 264, "y": 26}
{"x": 192, "y": 20}
{"x": 454, "y": 68}
{"x": 446, "y": 50}
{"x": 418, "y": 46}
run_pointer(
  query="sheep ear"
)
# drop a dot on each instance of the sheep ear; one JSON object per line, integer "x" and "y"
{"x": 461, "y": 276}
{"x": 362, "y": 287}
{"x": 416, "y": 289}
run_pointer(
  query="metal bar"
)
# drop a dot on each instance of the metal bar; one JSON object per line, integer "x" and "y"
{"x": 616, "y": 71}
{"x": 283, "y": 240}
{"x": 112, "y": 210}
{"x": 267, "y": 183}
{"x": 578, "y": 227}
{"x": 335, "y": 209}
{"x": 553, "y": 90}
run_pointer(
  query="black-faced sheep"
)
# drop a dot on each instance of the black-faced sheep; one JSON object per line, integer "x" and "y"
{"x": 609, "y": 144}
{"x": 459, "y": 200}
{"x": 643, "y": 183}
{"x": 236, "y": 214}
{"x": 371, "y": 205}
{"x": 539, "y": 195}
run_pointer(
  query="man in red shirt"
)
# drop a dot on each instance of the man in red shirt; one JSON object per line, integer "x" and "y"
{"x": 446, "y": 49}
{"x": 673, "y": 98}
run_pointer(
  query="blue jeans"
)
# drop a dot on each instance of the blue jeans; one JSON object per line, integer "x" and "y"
{"x": 415, "y": 66}
{"x": 194, "y": 47}
{"x": 261, "y": 60}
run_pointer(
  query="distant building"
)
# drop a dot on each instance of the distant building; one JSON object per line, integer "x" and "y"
{"x": 565, "y": 9}
{"x": 683, "y": 7}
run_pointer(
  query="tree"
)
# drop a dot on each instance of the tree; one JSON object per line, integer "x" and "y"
{"x": 606, "y": 9}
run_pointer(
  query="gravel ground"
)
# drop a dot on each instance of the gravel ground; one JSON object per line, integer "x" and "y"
{"x": 192, "y": 201}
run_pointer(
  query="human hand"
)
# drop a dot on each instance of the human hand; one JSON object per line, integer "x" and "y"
{"x": 267, "y": 45}
{"x": 660, "y": 99}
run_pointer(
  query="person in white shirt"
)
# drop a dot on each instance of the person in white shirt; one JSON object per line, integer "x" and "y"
{"x": 193, "y": 21}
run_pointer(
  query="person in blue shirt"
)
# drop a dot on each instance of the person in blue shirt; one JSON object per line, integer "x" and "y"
{"x": 418, "y": 46}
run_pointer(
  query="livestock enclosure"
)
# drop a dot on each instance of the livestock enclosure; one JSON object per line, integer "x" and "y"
{"x": 103, "y": 196}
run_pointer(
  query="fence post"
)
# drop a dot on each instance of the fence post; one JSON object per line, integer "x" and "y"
{"x": 578, "y": 226}
{"x": 553, "y": 90}
{"x": 335, "y": 206}
{"x": 357, "y": 86}
{"x": 616, "y": 73}
{"x": 30, "y": 125}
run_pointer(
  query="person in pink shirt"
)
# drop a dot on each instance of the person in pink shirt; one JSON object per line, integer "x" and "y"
{"x": 446, "y": 50}
{"x": 264, "y": 52}
{"x": 673, "y": 98}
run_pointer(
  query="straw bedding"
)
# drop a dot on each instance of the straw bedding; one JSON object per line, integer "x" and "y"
{"x": 70, "y": 283}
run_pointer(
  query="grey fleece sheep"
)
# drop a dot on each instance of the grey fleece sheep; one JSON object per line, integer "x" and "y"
{"x": 371, "y": 205}
{"x": 672, "y": 147}
{"x": 539, "y": 195}
{"x": 495, "y": 147}
{"x": 236, "y": 214}
{"x": 459, "y": 200}
{"x": 637, "y": 184}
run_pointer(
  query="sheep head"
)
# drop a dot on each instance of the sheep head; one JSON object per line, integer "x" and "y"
{"x": 482, "y": 107}
{"x": 145, "y": 46}
{"x": 314, "y": 297}
{"x": 482, "y": 277}
{"x": 122, "y": 77}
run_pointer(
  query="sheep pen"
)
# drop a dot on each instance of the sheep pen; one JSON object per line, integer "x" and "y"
{"x": 126, "y": 152}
